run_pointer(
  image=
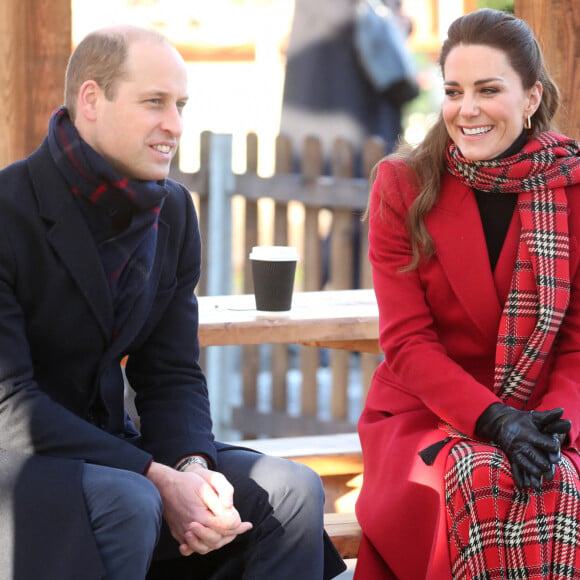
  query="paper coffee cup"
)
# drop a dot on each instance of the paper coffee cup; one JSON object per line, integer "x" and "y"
{"x": 273, "y": 272}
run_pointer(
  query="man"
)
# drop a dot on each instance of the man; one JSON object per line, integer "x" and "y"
{"x": 99, "y": 258}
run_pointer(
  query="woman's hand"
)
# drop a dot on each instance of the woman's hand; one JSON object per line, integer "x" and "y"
{"x": 531, "y": 452}
{"x": 551, "y": 423}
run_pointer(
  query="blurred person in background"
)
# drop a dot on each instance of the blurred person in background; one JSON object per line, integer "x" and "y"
{"x": 328, "y": 95}
{"x": 326, "y": 92}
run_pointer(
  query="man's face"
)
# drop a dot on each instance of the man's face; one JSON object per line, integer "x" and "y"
{"x": 138, "y": 130}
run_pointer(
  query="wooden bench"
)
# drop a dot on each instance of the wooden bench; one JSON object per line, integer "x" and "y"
{"x": 345, "y": 533}
{"x": 338, "y": 461}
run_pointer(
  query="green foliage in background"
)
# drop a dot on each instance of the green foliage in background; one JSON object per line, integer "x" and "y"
{"x": 505, "y": 5}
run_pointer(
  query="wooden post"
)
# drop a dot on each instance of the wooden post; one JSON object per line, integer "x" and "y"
{"x": 555, "y": 24}
{"x": 250, "y": 353}
{"x": 35, "y": 44}
{"x": 469, "y": 6}
{"x": 341, "y": 272}
{"x": 311, "y": 151}
{"x": 280, "y": 358}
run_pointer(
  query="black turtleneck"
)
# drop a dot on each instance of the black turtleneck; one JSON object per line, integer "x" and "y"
{"x": 496, "y": 209}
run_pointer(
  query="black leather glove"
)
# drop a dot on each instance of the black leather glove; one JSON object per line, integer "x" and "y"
{"x": 551, "y": 423}
{"x": 518, "y": 436}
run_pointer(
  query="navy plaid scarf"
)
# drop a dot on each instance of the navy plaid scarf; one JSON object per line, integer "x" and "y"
{"x": 128, "y": 252}
{"x": 540, "y": 287}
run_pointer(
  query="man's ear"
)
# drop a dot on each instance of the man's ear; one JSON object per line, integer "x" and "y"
{"x": 88, "y": 100}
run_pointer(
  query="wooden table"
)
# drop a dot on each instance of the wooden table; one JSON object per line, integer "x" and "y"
{"x": 343, "y": 319}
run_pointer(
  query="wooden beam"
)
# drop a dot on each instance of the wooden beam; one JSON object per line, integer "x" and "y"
{"x": 469, "y": 6}
{"x": 35, "y": 44}
{"x": 12, "y": 80}
{"x": 345, "y": 533}
{"x": 193, "y": 52}
{"x": 555, "y": 24}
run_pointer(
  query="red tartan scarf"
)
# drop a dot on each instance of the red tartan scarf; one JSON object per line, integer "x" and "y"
{"x": 540, "y": 286}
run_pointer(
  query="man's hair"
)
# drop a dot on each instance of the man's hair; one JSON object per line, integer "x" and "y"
{"x": 101, "y": 56}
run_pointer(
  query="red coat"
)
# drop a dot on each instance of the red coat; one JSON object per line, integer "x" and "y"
{"x": 438, "y": 330}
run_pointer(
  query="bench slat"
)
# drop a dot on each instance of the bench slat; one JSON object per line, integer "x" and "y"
{"x": 345, "y": 533}
{"x": 307, "y": 446}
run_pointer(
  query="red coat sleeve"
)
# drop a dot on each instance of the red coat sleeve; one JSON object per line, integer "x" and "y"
{"x": 418, "y": 365}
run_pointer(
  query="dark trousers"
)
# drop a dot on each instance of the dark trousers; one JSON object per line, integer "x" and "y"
{"x": 284, "y": 500}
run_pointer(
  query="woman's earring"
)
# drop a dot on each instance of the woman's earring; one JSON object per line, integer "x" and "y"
{"x": 527, "y": 122}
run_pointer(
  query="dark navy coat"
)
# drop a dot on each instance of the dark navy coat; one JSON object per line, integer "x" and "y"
{"x": 61, "y": 382}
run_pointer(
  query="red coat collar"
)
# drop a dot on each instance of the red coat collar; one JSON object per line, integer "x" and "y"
{"x": 455, "y": 226}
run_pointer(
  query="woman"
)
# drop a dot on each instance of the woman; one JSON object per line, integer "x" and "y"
{"x": 475, "y": 249}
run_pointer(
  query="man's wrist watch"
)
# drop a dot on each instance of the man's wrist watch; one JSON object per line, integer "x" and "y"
{"x": 182, "y": 466}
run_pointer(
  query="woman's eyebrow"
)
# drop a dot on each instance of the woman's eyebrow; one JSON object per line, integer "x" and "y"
{"x": 477, "y": 82}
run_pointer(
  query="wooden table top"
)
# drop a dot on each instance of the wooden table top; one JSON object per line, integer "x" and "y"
{"x": 346, "y": 319}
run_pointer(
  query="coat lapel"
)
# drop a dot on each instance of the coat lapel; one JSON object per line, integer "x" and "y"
{"x": 143, "y": 302}
{"x": 457, "y": 233}
{"x": 70, "y": 237}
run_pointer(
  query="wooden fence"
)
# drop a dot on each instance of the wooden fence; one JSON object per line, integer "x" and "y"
{"x": 339, "y": 196}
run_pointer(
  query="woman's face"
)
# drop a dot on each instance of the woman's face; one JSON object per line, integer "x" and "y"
{"x": 485, "y": 103}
